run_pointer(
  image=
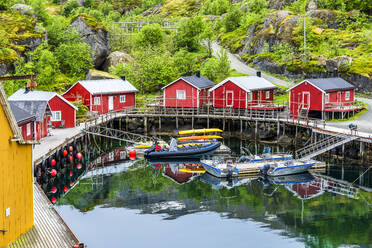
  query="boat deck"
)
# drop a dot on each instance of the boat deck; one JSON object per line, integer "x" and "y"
{"x": 49, "y": 229}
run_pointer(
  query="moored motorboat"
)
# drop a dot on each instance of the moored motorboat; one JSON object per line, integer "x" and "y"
{"x": 287, "y": 167}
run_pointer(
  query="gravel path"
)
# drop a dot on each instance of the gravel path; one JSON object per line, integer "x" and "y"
{"x": 241, "y": 67}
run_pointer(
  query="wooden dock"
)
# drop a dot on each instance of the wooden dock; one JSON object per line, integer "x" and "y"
{"x": 49, "y": 229}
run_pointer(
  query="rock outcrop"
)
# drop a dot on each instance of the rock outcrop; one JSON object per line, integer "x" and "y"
{"x": 338, "y": 62}
{"x": 96, "y": 74}
{"x": 24, "y": 9}
{"x": 95, "y": 35}
{"x": 116, "y": 58}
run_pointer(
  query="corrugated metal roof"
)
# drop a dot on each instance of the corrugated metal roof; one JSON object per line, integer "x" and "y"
{"x": 19, "y": 114}
{"x": 329, "y": 84}
{"x": 103, "y": 86}
{"x": 35, "y": 95}
{"x": 248, "y": 83}
{"x": 49, "y": 229}
{"x": 36, "y": 108}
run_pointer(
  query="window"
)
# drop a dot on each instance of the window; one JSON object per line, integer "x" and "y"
{"x": 267, "y": 94}
{"x": 122, "y": 98}
{"x": 56, "y": 115}
{"x": 123, "y": 155}
{"x": 249, "y": 96}
{"x": 111, "y": 156}
{"x": 97, "y": 100}
{"x": 326, "y": 98}
{"x": 28, "y": 129}
{"x": 181, "y": 94}
{"x": 347, "y": 95}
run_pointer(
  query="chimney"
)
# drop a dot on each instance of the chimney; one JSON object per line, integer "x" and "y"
{"x": 197, "y": 74}
{"x": 27, "y": 89}
{"x": 258, "y": 73}
{"x": 335, "y": 72}
{"x": 123, "y": 78}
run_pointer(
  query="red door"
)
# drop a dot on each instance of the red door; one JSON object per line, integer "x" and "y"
{"x": 229, "y": 98}
{"x": 306, "y": 100}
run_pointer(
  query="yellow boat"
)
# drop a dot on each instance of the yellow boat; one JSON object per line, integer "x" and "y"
{"x": 206, "y": 137}
{"x": 188, "y": 170}
{"x": 204, "y": 130}
{"x": 142, "y": 146}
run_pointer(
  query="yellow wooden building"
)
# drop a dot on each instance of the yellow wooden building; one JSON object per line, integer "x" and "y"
{"x": 16, "y": 186}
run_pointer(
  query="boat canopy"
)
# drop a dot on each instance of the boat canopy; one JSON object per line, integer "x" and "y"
{"x": 204, "y": 130}
{"x": 207, "y": 137}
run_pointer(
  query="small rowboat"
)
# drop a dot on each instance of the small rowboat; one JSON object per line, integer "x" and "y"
{"x": 204, "y": 130}
{"x": 206, "y": 137}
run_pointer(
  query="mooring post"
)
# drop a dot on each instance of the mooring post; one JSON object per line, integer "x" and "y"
{"x": 256, "y": 130}
{"x": 241, "y": 126}
{"x": 208, "y": 122}
{"x": 127, "y": 123}
{"x": 145, "y": 124}
{"x": 343, "y": 150}
{"x": 361, "y": 149}
{"x": 278, "y": 130}
{"x": 176, "y": 122}
{"x": 159, "y": 123}
{"x": 192, "y": 122}
{"x": 223, "y": 124}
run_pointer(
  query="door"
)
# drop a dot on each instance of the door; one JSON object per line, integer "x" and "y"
{"x": 111, "y": 103}
{"x": 229, "y": 98}
{"x": 339, "y": 100}
{"x": 306, "y": 100}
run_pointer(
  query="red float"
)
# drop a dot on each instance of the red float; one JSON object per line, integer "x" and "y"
{"x": 132, "y": 154}
{"x": 158, "y": 166}
{"x": 157, "y": 148}
{"x": 70, "y": 148}
{"x": 65, "y": 189}
{"x": 71, "y": 158}
{"x": 71, "y": 173}
{"x": 53, "y": 172}
{"x": 53, "y": 200}
{"x": 79, "y": 156}
{"x": 78, "y": 166}
{"x": 65, "y": 153}
{"x": 53, "y": 162}
{"x": 54, "y": 189}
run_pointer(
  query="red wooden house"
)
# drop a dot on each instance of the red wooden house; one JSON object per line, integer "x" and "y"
{"x": 63, "y": 112}
{"x": 322, "y": 98}
{"x": 188, "y": 92}
{"x": 246, "y": 92}
{"x": 25, "y": 121}
{"x": 39, "y": 109}
{"x": 103, "y": 95}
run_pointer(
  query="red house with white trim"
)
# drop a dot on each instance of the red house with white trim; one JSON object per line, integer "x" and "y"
{"x": 25, "y": 121}
{"x": 39, "y": 109}
{"x": 242, "y": 92}
{"x": 63, "y": 112}
{"x": 322, "y": 98}
{"x": 188, "y": 92}
{"x": 103, "y": 95}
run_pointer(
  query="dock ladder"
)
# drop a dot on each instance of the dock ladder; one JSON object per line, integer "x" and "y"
{"x": 322, "y": 146}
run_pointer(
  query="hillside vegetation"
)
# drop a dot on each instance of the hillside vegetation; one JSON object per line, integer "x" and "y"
{"x": 53, "y": 39}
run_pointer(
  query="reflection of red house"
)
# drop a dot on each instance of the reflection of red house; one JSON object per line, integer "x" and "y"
{"x": 25, "y": 121}
{"x": 189, "y": 92}
{"x": 177, "y": 176}
{"x": 242, "y": 92}
{"x": 321, "y": 98}
{"x": 307, "y": 190}
{"x": 114, "y": 156}
{"x": 103, "y": 95}
{"x": 39, "y": 109}
{"x": 63, "y": 112}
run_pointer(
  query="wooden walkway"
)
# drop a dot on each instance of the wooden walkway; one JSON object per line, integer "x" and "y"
{"x": 49, "y": 229}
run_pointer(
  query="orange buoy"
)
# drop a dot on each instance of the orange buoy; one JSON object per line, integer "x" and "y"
{"x": 71, "y": 158}
{"x": 53, "y": 172}
{"x": 70, "y": 148}
{"x": 53, "y": 162}
{"x": 65, "y": 189}
{"x": 54, "y": 189}
{"x": 71, "y": 173}
{"x": 132, "y": 154}
{"x": 78, "y": 166}
{"x": 53, "y": 199}
{"x": 65, "y": 152}
{"x": 79, "y": 156}
{"x": 71, "y": 184}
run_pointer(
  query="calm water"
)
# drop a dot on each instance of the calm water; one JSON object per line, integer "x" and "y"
{"x": 142, "y": 205}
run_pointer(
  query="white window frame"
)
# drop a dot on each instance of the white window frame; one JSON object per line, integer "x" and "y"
{"x": 97, "y": 100}
{"x": 28, "y": 129}
{"x": 267, "y": 94}
{"x": 123, "y": 98}
{"x": 181, "y": 91}
{"x": 54, "y": 114}
{"x": 250, "y": 96}
{"x": 123, "y": 155}
{"x": 347, "y": 95}
{"x": 326, "y": 98}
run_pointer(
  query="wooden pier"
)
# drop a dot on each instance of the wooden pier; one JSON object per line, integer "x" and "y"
{"x": 49, "y": 230}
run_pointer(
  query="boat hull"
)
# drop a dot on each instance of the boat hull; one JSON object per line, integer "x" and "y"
{"x": 289, "y": 170}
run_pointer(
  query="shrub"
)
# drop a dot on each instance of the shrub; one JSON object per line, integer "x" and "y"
{"x": 69, "y": 6}
{"x": 215, "y": 7}
{"x": 232, "y": 20}
{"x": 151, "y": 34}
{"x": 256, "y": 6}
{"x": 189, "y": 33}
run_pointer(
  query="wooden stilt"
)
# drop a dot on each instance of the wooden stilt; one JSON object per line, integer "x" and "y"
{"x": 159, "y": 123}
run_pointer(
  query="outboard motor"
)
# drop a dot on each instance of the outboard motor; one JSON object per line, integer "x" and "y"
{"x": 242, "y": 159}
{"x": 265, "y": 169}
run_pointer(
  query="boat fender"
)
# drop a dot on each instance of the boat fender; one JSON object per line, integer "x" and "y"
{"x": 242, "y": 159}
{"x": 265, "y": 169}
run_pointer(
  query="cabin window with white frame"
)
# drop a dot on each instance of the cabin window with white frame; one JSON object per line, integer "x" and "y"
{"x": 28, "y": 129}
{"x": 267, "y": 94}
{"x": 181, "y": 94}
{"x": 97, "y": 100}
{"x": 122, "y": 98}
{"x": 123, "y": 155}
{"x": 327, "y": 98}
{"x": 347, "y": 95}
{"x": 56, "y": 115}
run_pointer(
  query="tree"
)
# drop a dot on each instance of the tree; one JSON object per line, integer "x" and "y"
{"x": 218, "y": 68}
{"x": 184, "y": 62}
{"x": 150, "y": 35}
{"x": 209, "y": 37}
{"x": 189, "y": 33}
{"x": 232, "y": 19}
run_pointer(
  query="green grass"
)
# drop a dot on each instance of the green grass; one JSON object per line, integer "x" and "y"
{"x": 234, "y": 73}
